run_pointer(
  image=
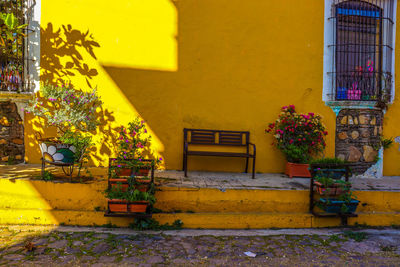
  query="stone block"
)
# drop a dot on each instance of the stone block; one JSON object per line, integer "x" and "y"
{"x": 17, "y": 141}
{"x": 355, "y": 134}
{"x": 369, "y": 153}
{"x": 365, "y": 134}
{"x": 354, "y": 154}
{"x": 4, "y": 121}
{"x": 363, "y": 119}
{"x": 342, "y": 135}
{"x": 341, "y": 156}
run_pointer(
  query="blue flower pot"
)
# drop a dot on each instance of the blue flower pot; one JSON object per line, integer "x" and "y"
{"x": 331, "y": 173}
{"x": 332, "y": 205}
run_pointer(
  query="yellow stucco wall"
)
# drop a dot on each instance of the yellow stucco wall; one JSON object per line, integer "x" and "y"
{"x": 219, "y": 64}
{"x": 24, "y": 201}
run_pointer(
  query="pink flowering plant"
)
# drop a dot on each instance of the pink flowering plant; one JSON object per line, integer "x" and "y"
{"x": 298, "y": 136}
{"x": 71, "y": 111}
{"x": 66, "y": 108}
{"x": 133, "y": 146}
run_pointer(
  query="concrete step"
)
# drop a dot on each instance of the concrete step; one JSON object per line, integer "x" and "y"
{"x": 39, "y": 202}
{"x": 88, "y": 197}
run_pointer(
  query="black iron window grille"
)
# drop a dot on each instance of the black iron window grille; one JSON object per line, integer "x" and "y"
{"x": 14, "y": 67}
{"x": 363, "y": 50}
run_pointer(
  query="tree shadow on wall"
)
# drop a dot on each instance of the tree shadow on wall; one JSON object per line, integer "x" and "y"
{"x": 63, "y": 53}
{"x": 61, "y": 57}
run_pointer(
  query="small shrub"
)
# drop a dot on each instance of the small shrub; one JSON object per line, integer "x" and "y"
{"x": 152, "y": 224}
{"x": 47, "y": 176}
{"x": 356, "y": 236}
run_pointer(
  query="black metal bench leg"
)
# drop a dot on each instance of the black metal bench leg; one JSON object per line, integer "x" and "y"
{"x": 183, "y": 162}
{"x": 247, "y": 165}
{"x": 254, "y": 167}
{"x": 43, "y": 167}
{"x": 185, "y": 165}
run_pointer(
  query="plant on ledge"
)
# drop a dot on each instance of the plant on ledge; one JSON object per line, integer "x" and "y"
{"x": 131, "y": 200}
{"x": 132, "y": 149}
{"x": 73, "y": 113}
{"x": 299, "y": 136}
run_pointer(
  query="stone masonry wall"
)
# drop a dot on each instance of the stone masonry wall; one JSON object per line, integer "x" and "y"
{"x": 358, "y": 133}
{"x": 11, "y": 134}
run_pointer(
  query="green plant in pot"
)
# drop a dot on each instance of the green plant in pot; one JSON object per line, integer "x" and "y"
{"x": 116, "y": 198}
{"x": 300, "y": 137}
{"x": 73, "y": 113}
{"x": 133, "y": 144}
{"x": 328, "y": 186}
{"x": 343, "y": 204}
{"x": 132, "y": 200}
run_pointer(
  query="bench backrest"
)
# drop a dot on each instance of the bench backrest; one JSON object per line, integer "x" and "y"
{"x": 216, "y": 137}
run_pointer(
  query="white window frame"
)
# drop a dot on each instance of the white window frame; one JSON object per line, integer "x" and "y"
{"x": 329, "y": 58}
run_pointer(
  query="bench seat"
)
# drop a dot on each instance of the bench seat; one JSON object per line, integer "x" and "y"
{"x": 218, "y": 154}
{"x": 218, "y": 138}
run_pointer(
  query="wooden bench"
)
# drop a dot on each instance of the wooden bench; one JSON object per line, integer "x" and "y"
{"x": 218, "y": 138}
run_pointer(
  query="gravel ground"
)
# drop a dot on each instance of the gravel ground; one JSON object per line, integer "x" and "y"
{"x": 32, "y": 246}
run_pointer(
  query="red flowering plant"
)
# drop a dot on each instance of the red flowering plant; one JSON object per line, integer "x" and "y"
{"x": 132, "y": 146}
{"x": 298, "y": 136}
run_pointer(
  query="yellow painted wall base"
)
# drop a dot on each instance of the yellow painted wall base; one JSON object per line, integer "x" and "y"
{"x": 39, "y": 202}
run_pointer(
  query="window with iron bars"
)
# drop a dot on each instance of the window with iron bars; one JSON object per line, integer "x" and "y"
{"x": 14, "y": 72}
{"x": 363, "y": 50}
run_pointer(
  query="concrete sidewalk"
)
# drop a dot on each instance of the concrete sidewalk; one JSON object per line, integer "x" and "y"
{"x": 219, "y": 180}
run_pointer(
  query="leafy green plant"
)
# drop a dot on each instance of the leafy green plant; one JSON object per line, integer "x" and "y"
{"x": 115, "y": 192}
{"x": 72, "y": 112}
{"x": 299, "y": 136}
{"x": 152, "y": 224}
{"x": 356, "y": 236}
{"x": 12, "y": 33}
{"x": 346, "y": 197}
{"x": 79, "y": 141}
{"x": 47, "y": 176}
{"x": 133, "y": 143}
{"x": 333, "y": 161}
{"x": 137, "y": 195}
{"x": 386, "y": 142}
{"x": 66, "y": 108}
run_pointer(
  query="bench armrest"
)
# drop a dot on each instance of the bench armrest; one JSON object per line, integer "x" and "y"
{"x": 254, "y": 147}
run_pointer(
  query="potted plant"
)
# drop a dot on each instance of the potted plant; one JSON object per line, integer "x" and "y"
{"x": 138, "y": 201}
{"x": 327, "y": 186}
{"x": 131, "y": 200}
{"x": 132, "y": 147}
{"x": 73, "y": 113}
{"x": 116, "y": 199}
{"x": 330, "y": 167}
{"x": 300, "y": 137}
{"x": 344, "y": 204}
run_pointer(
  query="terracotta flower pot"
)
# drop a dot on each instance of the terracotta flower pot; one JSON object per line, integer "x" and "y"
{"x": 123, "y": 171}
{"x": 297, "y": 170}
{"x": 138, "y": 206}
{"x": 117, "y": 205}
{"x": 142, "y": 187}
{"x": 142, "y": 172}
{"x": 333, "y": 190}
{"x": 124, "y": 183}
